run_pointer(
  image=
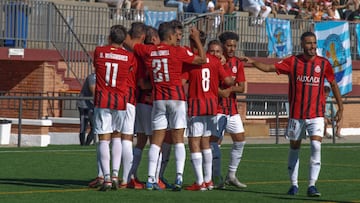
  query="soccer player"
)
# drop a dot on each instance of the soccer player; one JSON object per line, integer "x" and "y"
{"x": 164, "y": 62}
{"x": 166, "y": 146}
{"x": 202, "y": 104}
{"x": 228, "y": 116}
{"x": 143, "y": 109}
{"x": 215, "y": 48}
{"x": 307, "y": 73}
{"x": 113, "y": 64}
{"x": 137, "y": 30}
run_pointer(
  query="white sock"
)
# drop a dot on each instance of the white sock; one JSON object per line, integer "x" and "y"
{"x": 158, "y": 166}
{"x": 235, "y": 157}
{"x": 165, "y": 150}
{"x": 127, "y": 158}
{"x": 180, "y": 156}
{"x": 116, "y": 151}
{"x": 196, "y": 161}
{"x": 100, "y": 172}
{"x": 293, "y": 166}
{"x": 136, "y": 161}
{"x": 207, "y": 164}
{"x": 104, "y": 152}
{"x": 153, "y": 158}
{"x": 315, "y": 162}
{"x": 216, "y": 162}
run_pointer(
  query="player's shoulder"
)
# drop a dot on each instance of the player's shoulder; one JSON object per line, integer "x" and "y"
{"x": 321, "y": 58}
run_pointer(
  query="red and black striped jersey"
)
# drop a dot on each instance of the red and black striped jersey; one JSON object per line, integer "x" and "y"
{"x": 306, "y": 84}
{"x": 235, "y": 67}
{"x": 164, "y": 64}
{"x": 113, "y": 67}
{"x": 203, "y": 86}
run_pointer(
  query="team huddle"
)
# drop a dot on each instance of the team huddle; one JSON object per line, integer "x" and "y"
{"x": 149, "y": 85}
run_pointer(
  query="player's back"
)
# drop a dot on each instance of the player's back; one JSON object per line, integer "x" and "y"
{"x": 112, "y": 67}
{"x": 164, "y": 63}
{"x": 203, "y": 86}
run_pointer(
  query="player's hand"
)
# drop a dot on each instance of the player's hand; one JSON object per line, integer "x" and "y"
{"x": 222, "y": 59}
{"x": 338, "y": 118}
{"x": 246, "y": 59}
{"x": 194, "y": 33}
{"x": 225, "y": 92}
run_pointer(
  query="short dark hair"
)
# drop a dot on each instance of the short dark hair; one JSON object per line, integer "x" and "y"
{"x": 307, "y": 34}
{"x": 214, "y": 42}
{"x": 150, "y": 33}
{"x": 117, "y": 34}
{"x": 228, "y": 36}
{"x": 137, "y": 29}
{"x": 177, "y": 24}
{"x": 165, "y": 29}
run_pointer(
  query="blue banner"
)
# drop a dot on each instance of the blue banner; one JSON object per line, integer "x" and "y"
{"x": 279, "y": 35}
{"x": 154, "y": 18}
{"x": 357, "y": 30}
{"x": 333, "y": 40}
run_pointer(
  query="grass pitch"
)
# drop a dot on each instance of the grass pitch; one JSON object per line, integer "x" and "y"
{"x": 61, "y": 174}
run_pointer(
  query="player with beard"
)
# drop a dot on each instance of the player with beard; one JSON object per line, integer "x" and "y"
{"x": 307, "y": 73}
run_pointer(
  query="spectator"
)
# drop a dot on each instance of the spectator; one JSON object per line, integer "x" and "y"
{"x": 117, "y": 4}
{"x": 355, "y": 15}
{"x": 197, "y": 6}
{"x": 180, "y": 4}
{"x": 217, "y": 18}
{"x": 86, "y": 110}
{"x": 305, "y": 11}
{"x": 292, "y": 7}
{"x": 257, "y": 10}
{"x": 138, "y": 6}
{"x": 318, "y": 12}
{"x": 227, "y": 6}
{"x": 331, "y": 11}
{"x": 277, "y": 6}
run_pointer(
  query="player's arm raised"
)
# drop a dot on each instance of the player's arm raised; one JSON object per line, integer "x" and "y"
{"x": 201, "y": 57}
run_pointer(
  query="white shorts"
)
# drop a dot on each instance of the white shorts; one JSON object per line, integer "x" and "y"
{"x": 234, "y": 124}
{"x": 168, "y": 111}
{"x": 108, "y": 120}
{"x": 201, "y": 126}
{"x": 129, "y": 123}
{"x": 297, "y": 128}
{"x": 143, "y": 119}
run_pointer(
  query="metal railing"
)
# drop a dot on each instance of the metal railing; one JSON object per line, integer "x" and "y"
{"x": 38, "y": 21}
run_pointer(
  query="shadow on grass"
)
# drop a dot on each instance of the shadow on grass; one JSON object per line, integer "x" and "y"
{"x": 50, "y": 183}
{"x": 284, "y": 196}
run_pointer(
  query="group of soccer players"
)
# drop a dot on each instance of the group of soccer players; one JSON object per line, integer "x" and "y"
{"x": 150, "y": 85}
